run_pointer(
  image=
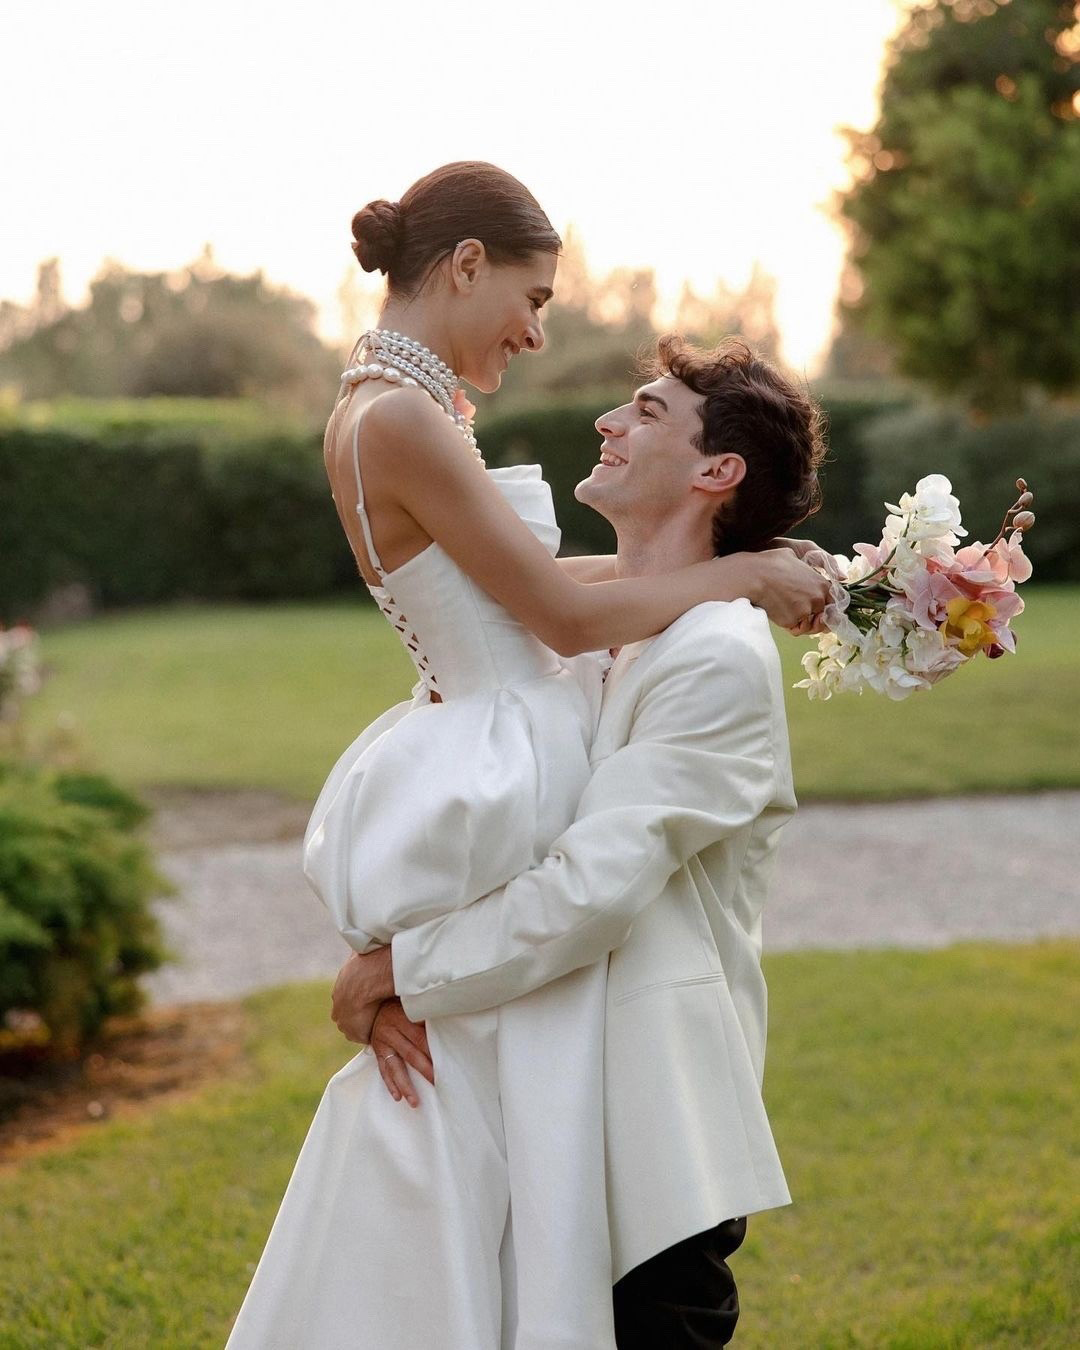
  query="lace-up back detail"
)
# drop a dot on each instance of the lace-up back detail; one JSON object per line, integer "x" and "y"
{"x": 460, "y": 640}
{"x": 385, "y": 601}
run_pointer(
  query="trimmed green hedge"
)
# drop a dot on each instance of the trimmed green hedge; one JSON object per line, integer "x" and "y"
{"x": 175, "y": 516}
{"x": 140, "y": 524}
{"x": 76, "y": 927}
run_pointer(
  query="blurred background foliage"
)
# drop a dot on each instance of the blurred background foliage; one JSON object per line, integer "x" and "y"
{"x": 196, "y": 332}
{"x": 965, "y": 252}
{"x": 161, "y": 440}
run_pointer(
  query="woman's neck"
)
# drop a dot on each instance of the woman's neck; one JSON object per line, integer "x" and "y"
{"x": 418, "y": 322}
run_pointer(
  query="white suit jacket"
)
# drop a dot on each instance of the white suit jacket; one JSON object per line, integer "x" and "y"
{"x": 665, "y": 867}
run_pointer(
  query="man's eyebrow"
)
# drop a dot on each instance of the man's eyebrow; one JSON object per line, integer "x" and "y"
{"x": 643, "y": 396}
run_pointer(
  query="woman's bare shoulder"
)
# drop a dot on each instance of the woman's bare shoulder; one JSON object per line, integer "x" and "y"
{"x": 408, "y": 421}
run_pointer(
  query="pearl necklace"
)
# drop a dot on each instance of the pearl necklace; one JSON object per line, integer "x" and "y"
{"x": 402, "y": 360}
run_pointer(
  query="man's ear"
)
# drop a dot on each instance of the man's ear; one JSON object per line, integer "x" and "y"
{"x": 720, "y": 474}
{"x": 467, "y": 263}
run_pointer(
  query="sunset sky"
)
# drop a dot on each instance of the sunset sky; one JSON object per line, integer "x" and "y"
{"x": 691, "y": 137}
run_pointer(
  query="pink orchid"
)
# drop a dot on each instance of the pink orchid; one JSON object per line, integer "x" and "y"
{"x": 972, "y": 569}
{"x": 929, "y": 593}
{"x": 875, "y": 554}
{"x": 1008, "y": 554}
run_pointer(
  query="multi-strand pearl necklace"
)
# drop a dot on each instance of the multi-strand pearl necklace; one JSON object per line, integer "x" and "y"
{"x": 402, "y": 360}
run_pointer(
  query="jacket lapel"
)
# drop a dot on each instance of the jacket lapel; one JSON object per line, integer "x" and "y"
{"x": 618, "y": 701}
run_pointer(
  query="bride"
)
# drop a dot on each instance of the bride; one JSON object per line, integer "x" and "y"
{"x": 477, "y": 1220}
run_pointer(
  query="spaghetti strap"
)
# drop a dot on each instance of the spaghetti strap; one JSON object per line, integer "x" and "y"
{"x": 365, "y": 524}
{"x": 383, "y": 598}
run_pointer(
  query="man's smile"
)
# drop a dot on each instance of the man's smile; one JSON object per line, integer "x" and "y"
{"x": 610, "y": 459}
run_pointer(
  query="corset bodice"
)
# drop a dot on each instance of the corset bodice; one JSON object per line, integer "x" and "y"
{"x": 459, "y": 639}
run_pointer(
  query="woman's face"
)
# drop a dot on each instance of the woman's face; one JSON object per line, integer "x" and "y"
{"x": 498, "y": 314}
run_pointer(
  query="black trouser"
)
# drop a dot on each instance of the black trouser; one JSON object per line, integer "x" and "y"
{"x": 683, "y": 1298}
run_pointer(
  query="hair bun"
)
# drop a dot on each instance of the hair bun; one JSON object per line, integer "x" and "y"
{"x": 378, "y": 229}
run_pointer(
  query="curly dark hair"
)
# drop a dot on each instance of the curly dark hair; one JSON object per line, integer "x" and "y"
{"x": 750, "y": 409}
{"x": 468, "y": 199}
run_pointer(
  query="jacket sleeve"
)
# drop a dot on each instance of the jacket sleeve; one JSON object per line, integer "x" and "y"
{"x": 699, "y": 765}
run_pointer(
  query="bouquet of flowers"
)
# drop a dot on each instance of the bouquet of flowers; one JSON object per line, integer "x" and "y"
{"x": 20, "y": 671}
{"x": 916, "y": 607}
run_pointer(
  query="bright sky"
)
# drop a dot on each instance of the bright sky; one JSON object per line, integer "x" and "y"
{"x": 691, "y": 137}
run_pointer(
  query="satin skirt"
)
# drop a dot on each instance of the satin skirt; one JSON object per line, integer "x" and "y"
{"x": 477, "y": 1221}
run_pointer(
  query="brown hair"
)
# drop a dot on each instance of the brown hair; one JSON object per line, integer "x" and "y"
{"x": 465, "y": 200}
{"x": 750, "y": 409}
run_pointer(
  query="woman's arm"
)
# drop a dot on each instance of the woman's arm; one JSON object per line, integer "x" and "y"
{"x": 422, "y": 463}
{"x": 593, "y": 567}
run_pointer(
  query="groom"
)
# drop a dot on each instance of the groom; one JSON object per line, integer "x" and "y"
{"x": 666, "y": 864}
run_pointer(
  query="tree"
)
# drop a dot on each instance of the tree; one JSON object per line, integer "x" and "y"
{"x": 966, "y": 195}
{"x": 749, "y": 314}
{"x": 599, "y": 328}
{"x": 199, "y": 331}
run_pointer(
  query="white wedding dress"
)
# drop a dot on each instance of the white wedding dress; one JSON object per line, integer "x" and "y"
{"x": 477, "y": 1221}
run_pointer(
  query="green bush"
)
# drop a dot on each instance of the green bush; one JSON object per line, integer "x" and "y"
{"x": 75, "y": 884}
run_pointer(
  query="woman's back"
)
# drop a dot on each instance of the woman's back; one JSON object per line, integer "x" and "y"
{"x": 460, "y": 640}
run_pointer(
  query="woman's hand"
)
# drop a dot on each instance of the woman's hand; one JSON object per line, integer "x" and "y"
{"x": 397, "y": 1043}
{"x": 792, "y": 593}
{"x": 812, "y": 553}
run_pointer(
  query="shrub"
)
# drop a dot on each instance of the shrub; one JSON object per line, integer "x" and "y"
{"x": 76, "y": 928}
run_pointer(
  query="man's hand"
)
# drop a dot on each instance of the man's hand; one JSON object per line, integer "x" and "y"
{"x": 397, "y": 1042}
{"x": 362, "y": 984}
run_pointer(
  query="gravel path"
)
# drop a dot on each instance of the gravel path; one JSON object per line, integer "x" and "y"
{"x": 908, "y": 874}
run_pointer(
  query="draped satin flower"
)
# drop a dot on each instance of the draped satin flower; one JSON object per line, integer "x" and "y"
{"x": 462, "y": 404}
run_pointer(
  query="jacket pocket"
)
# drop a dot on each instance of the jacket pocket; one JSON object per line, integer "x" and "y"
{"x": 711, "y": 977}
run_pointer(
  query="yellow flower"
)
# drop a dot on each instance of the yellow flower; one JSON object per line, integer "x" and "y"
{"x": 967, "y": 626}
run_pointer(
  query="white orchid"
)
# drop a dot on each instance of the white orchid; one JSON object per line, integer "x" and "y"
{"x": 825, "y": 666}
{"x": 932, "y": 513}
{"x": 929, "y": 655}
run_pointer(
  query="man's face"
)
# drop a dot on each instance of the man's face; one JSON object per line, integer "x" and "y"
{"x": 649, "y": 464}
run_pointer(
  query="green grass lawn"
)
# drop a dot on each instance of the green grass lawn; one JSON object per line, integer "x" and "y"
{"x": 270, "y": 695}
{"x": 923, "y": 1103}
